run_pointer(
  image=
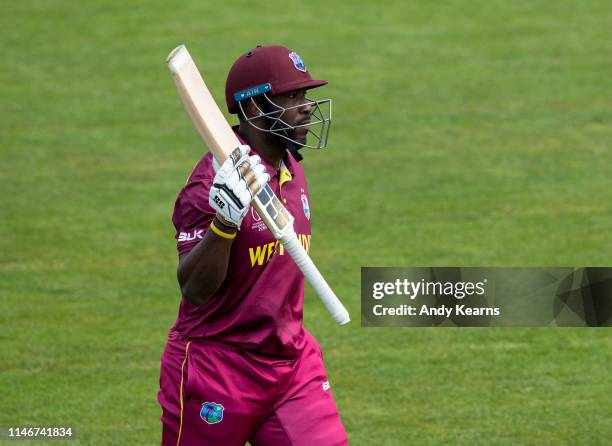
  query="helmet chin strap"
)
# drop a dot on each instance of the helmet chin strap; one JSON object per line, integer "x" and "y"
{"x": 294, "y": 150}
{"x": 291, "y": 144}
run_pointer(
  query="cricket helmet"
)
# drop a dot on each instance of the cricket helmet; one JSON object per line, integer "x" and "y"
{"x": 280, "y": 67}
{"x": 266, "y": 71}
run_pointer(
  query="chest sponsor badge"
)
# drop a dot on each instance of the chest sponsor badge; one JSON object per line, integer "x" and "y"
{"x": 212, "y": 413}
{"x": 306, "y": 206}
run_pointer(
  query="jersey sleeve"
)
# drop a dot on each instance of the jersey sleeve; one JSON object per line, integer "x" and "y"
{"x": 192, "y": 214}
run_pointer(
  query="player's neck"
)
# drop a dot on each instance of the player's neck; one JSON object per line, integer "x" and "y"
{"x": 270, "y": 147}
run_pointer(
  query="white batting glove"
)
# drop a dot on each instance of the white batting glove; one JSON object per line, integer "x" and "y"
{"x": 236, "y": 182}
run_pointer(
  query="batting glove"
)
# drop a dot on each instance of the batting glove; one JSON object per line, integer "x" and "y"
{"x": 236, "y": 182}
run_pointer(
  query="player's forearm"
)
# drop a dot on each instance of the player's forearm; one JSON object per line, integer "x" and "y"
{"x": 236, "y": 182}
{"x": 201, "y": 272}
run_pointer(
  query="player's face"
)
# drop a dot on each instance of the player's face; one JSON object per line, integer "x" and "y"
{"x": 297, "y": 113}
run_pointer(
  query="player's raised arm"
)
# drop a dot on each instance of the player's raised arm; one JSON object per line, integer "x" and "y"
{"x": 237, "y": 181}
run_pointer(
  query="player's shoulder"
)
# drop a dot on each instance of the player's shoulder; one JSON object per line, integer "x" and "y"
{"x": 197, "y": 187}
{"x": 203, "y": 170}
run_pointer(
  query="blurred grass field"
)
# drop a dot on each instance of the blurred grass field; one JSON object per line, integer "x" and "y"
{"x": 465, "y": 133}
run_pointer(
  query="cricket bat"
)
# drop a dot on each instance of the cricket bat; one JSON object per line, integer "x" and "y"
{"x": 221, "y": 140}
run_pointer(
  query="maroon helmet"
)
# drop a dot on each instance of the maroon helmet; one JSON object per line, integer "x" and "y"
{"x": 266, "y": 71}
{"x": 280, "y": 67}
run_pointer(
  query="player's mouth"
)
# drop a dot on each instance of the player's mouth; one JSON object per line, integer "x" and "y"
{"x": 301, "y": 131}
{"x": 303, "y": 125}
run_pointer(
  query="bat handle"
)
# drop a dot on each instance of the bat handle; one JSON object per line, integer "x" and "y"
{"x": 328, "y": 297}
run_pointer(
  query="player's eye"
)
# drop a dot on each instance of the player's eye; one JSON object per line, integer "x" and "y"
{"x": 296, "y": 94}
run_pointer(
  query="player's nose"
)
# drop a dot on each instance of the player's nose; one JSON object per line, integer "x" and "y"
{"x": 306, "y": 107}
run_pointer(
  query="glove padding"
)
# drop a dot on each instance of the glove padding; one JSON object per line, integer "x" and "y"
{"x": 236, "y": 182}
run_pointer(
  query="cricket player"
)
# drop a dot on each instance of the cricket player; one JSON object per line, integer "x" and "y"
{"x": 239, "y": 365}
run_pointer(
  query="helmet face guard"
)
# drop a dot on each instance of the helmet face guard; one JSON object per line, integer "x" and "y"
{"x": 318, "y": 125}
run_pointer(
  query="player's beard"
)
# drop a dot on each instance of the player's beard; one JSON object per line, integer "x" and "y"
{"x": 292, "y": 133}
{"x": 300, "y": 141}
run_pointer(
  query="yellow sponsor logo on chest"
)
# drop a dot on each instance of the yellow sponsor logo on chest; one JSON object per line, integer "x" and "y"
{"x": 263, "y": 253}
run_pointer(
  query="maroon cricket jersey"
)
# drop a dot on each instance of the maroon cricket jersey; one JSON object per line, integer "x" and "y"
{"x": 258, "y": 306}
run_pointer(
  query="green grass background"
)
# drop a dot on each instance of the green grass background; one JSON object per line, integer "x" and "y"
{"x": 466, "y": 133}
